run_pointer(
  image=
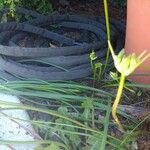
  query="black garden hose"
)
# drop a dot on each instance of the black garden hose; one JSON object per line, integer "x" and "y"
{"x": 48, "y": 53}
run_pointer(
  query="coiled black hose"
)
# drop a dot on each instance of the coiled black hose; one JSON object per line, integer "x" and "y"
{"x": 42, "y": 48}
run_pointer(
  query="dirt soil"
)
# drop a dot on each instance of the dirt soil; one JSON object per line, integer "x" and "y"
{"x": 92, "y": 8}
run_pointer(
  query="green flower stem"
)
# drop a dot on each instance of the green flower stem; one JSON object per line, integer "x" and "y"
{"x": 117, "y": 100}
{"x": 108, "y": 34}
{"x": 107, "y": 19}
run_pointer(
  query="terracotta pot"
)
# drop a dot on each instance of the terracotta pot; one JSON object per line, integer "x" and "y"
{"x": 138, "y": 35}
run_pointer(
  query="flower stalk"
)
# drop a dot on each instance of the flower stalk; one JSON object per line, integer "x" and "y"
{"x": 108, "y": 35}
{"x": 117, "y": 101}
{"x": 126, "y": 66}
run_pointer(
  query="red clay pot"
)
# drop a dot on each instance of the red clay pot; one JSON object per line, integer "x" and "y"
{"x": 138, "y": 36}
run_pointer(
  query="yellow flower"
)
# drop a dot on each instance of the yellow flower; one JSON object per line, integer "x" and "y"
{"x": 127, "y": 64}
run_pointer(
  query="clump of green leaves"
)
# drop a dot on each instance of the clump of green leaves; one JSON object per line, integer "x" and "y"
{"x": 69, "y": 106}
{"x": 9, "y": 3}
{"x": 42, "y": 6}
